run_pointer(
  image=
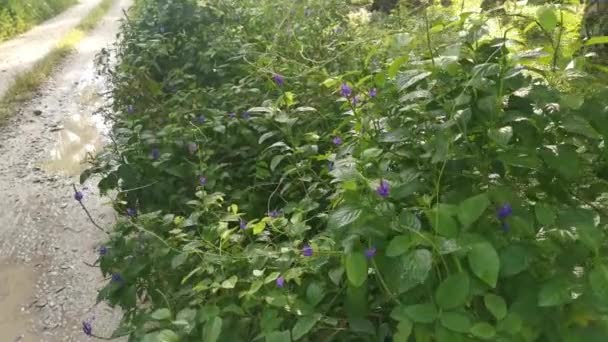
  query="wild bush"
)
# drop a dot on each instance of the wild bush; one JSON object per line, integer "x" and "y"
{"x": 310, "y": 171}
{"x": 16, "y": 16}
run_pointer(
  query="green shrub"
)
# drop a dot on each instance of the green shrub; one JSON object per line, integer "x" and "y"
{"x": 303, "y": 171}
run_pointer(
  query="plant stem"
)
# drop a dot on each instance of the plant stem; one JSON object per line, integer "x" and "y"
{"x": 428, "y": 35}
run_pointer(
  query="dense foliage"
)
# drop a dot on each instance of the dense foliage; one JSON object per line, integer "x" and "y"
{"x": 17, "y": 16}
{"x": 310, "y": 171}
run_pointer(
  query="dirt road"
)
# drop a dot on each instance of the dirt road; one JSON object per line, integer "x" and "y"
{"x": 21, "y": 53}
{"x": 46, "y": 288}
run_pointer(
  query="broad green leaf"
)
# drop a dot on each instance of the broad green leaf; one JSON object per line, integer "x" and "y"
{"x": 397, "y": 135}
{"x": 398, "y": 245}
{"x": 513, "y": 260}
{"x": 597, "y": 40}
{"x": 343, "y": 216}
{"x": 421, "y": 313}
{"x": 276, "y": 160}
{"x": 590, "y": 236}
{"x": 545, "y": 214}
{"x": 314, "y": 293}
{"x": 578, "y": 125}
{"x": 404, "y": 330}
{"x": 456, "y": 321}
{"x": 547, "y": 17}
{"x": 501, "y": 136}
{"x": 555, "y": 292}
{"x": 361, "y": 325}
{"x": 279, "y": 336}
{"x": 411, "y": 77}
{"x": 417, "y": 265}
{"x": 483, "y": 330}
{"x": 161, "y": 314}
{"x": 168, "y": 336}
{"x": 472, "y": 208}
{"x": 230, "y": 282}
{"x": 598, "y": 279}
{"x": 511, "y": 324}
{"x": 496, "y": 305}
{"x": 484, "y": 262}
{"x": 356, "y": 268}
{"x": 453, "y": 291}
{"x": 395, "y": 65}
{"x": 212, "y": 329}
{"x": 304, "y": 325}
{"x": 356, "y": 301}
{"x": 443, "y": 222}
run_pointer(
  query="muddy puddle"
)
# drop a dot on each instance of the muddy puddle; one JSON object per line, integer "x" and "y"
{"x": 17, "y": 286}
{"x": 81, "y": 134}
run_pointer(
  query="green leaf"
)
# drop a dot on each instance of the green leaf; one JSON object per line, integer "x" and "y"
{"x": 472, "y": 208}
{"x": 398, "y": 245}
{"x": 544, "y": 214}
{"x": 513, "y": 260}
{"x": 230, "y": 282}
{"x": 483, "y": 330}
{"x": 590, "y": 236}
{"x": 278, "y": 336}
{"x": 344, "y": 216}
{"x": 303, "y": 325}
{"x": 161, "y": 314}
{"x": 443, "y": 222}
{"x": 212, "y": 329}
{"x": 598, "y": 279}
{"x": 496, "y": 305}
{"x": 421, "y": 313}
{"x": 456, "y": 321}
{"x": 511, "y": 324}
{"x": 276, "y": 160}
{"x": 395, "y": 65}
{"x": 555, "y": 292}
{"x": 501, "y": 136}
{"x": 404, "y": 330}
{"x": 547, "y": 17}
{"x": 484, "y": 262}
{"x": 314, "y": 293}
{"x": 453, "y": 291}
{"x": 417, "y": 265}
{"x": 361, "y": 325}
{"x": 578, "y": 125}
{"x": 356, "y": 268}
{"x": 167, "y": 336}
{"x": 597, "y": 40}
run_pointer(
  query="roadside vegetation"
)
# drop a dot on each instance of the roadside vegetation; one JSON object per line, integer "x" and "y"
{"x": 17, "y": 16}
{"x": 316, "y": 171}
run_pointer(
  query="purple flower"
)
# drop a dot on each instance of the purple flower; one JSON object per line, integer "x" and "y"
{"x": 202, "y": 180}
{"x": 373, "y": 92}
{"x": 87, "y": 328}
{"x": 155, "y": 154}
{"x": 116, "y": 278}
{"x": 337, "y": 141}
{"x": 505, "y": 211}
{"x": 131, "y": 212}
{"x": 232, "y": 115}
{"x": 383, "y": 189}
{"x": 103, "y": 250}
{"x": 246, "y": 115}
{"x": 242, "y": 224}
{"x": 192, "y": 147}
{"x": 274, "y": 214}
{"x": 370, "y": 252}
{"x": 201, "y": 119}
{"x": 307, "y": 251}
{"x": 280, "y": 282}
{"x": 130, "y": 109}
{"x": 78, "y": 196}
{"x": 278, "y": 79}
{"x": 345, "y": 90}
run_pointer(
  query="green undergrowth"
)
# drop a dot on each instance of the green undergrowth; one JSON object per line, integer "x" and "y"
{"x": 310, "y": 171}
{"x": 17, "y": 16}
{"x": 25, "y": 84}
